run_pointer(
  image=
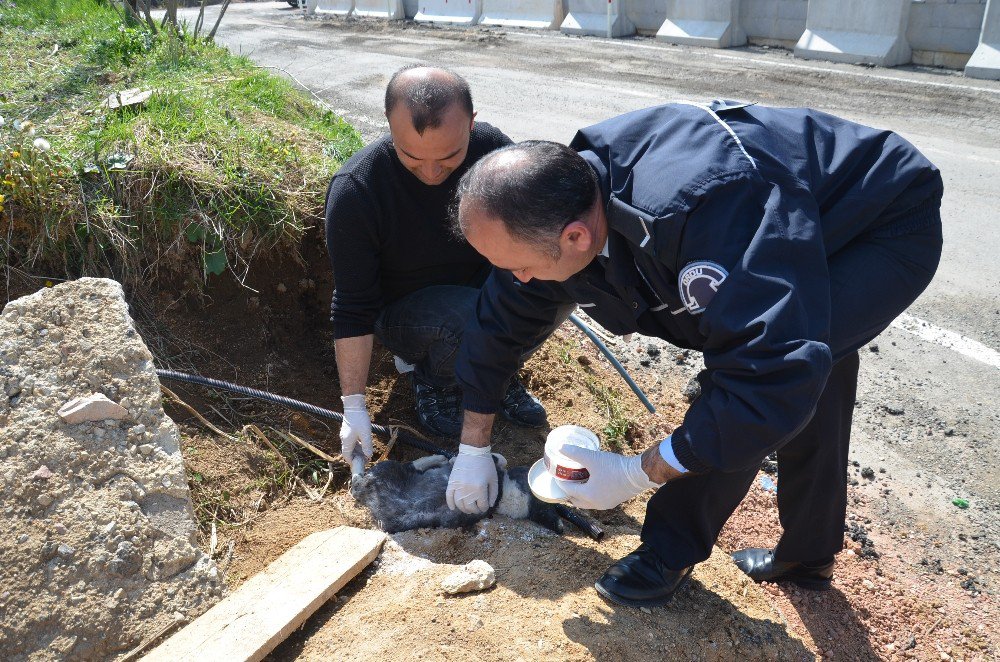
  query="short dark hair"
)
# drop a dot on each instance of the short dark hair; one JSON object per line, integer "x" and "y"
{"x": 429, "y": 98}
{"x": 536, "y": 188}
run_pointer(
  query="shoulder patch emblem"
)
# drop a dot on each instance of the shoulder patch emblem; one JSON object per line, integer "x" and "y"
{"x": 698, "y": 282}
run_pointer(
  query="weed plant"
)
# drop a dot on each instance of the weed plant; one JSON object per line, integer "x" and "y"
{"x": 222, "y": 162}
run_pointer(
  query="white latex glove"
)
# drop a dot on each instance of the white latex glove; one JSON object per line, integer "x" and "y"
{"x": 472, "y": 487}
{"x": 356, "y": 428}
{"x": 614, "y": 478}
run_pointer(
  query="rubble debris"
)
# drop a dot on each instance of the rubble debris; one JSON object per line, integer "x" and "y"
{"x": 473, "y": 576}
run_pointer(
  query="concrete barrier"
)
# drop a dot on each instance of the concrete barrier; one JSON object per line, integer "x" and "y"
{"x": 985, "y": 61}
{"x": 773, "y": 22}
{"x": 600, "y": 18}
{"x": 709, "y": 23}
{"x": 336, "y": 7}
{"x": 456, "y": 12}
{"x": 544, "y": 14}
{"x": 868, "y": 31}
{"x": 646, "y": 16}
{"x": 390, "y": 9}
{"x": 944, "y": 33}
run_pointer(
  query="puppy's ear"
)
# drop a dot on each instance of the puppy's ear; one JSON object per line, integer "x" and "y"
{"x": 500, "y": 461}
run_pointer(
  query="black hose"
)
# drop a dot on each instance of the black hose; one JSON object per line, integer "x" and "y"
{"x": 402, "y": 436}
{"x": 614, "y": 362}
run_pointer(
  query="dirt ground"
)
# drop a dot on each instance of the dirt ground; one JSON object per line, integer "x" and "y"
{"x": 885, "y": 604}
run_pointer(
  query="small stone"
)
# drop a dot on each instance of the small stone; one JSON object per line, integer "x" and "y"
{"x": 894, "y": 408}
{"x": 165, "y": 481}
{"x": 868, "y": 584}
{"x": 873, "y": 348}
{"x": 645, "y": 610}
{"x": 46, "y": 499}
{"x": 23, "y": 538}
{"x": 146, "y": 449}
{"x": 94, "y": 407}
{"x": 475, "y": 622}
{"x": 65, "y": 551}
{"x": 473, "y": 576}
{"x": 868, "y": 473}
{"x": 42, "y": 473}
{"x": 59, "y": 528}
{"x": 692, "y": 390}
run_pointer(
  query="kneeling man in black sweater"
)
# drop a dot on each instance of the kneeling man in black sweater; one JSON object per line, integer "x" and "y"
{"x": 400, "y": 274}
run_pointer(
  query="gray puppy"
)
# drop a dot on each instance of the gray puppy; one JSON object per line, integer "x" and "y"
{"x": 411, "y": 495}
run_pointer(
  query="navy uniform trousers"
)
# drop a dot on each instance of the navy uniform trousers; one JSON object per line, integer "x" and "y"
{"x": 872, "y": 280}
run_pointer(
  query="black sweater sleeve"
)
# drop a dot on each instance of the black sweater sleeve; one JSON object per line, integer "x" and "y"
{"x": 353, "y": 243}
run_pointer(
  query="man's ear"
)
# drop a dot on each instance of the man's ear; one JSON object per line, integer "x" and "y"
{"x": 576, "y": 237}
{"x": 472, "y": 122}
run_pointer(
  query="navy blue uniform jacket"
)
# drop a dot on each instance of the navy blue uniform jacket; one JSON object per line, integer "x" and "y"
{"x": 721, "y": 219}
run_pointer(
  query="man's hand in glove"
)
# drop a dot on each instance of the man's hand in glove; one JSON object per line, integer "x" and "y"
{"x": 613, "y": 480}
{"x": 472, "y": 487}
{"x": 356, "y": 428}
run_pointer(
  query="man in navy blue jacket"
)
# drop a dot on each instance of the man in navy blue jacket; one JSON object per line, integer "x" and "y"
{"x": 775, "y": 241}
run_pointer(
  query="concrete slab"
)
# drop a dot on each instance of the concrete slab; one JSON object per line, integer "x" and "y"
{"x": 708, "y": 23}
{"x": 985, "y": 61}
{"x": 539, "y": 14}
{"x": 599, "y": 18}
{"x": 856, "y": 31}
{"x": 454, "y": 12}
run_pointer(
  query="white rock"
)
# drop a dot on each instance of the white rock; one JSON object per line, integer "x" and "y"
{"x": 94, "y": 407}
{"x": 146, "y": 449}
{"x": 473, "y": 576}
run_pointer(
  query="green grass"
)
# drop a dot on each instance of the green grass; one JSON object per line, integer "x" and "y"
{"x": 223, "y": 159}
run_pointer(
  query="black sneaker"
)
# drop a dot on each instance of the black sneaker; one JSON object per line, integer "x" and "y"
{"x": 521, "y": 407}
{"x": 439, "y": 409}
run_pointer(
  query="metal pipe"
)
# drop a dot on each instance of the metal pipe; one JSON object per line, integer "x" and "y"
{"x": 614, "y": 361}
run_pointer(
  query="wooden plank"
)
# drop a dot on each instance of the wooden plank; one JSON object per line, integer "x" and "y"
{"x": 251, "y": 622}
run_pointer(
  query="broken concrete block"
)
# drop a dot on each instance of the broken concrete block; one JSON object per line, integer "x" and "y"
{"x": 473, "y": 576}
{"x": 94, "y": 407}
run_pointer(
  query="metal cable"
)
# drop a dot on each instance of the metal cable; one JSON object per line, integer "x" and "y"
{"x": 614, "y": 361}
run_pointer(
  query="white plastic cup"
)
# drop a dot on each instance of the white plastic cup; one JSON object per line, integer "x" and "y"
{"x": 557, "y": 464}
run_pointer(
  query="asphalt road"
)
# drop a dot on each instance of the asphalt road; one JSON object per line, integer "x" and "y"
{"x": 927, "y": 413}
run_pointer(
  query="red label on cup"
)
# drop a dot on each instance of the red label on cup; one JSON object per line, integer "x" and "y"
{"x": 564, "y": 473}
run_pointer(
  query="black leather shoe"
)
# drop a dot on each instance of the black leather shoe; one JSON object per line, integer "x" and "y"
{"x": 521, "y": 407}
{"x": 641, "y": 580}
{"x": 438, "y": 409}
{"x": 760, "y": 566}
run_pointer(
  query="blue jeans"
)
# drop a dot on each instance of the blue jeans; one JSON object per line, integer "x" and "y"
{"x": 425, "y": 328}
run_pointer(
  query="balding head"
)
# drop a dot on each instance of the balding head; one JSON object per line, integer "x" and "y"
{"x": 535, "y": 188}
{"x": 428, "y": 93}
